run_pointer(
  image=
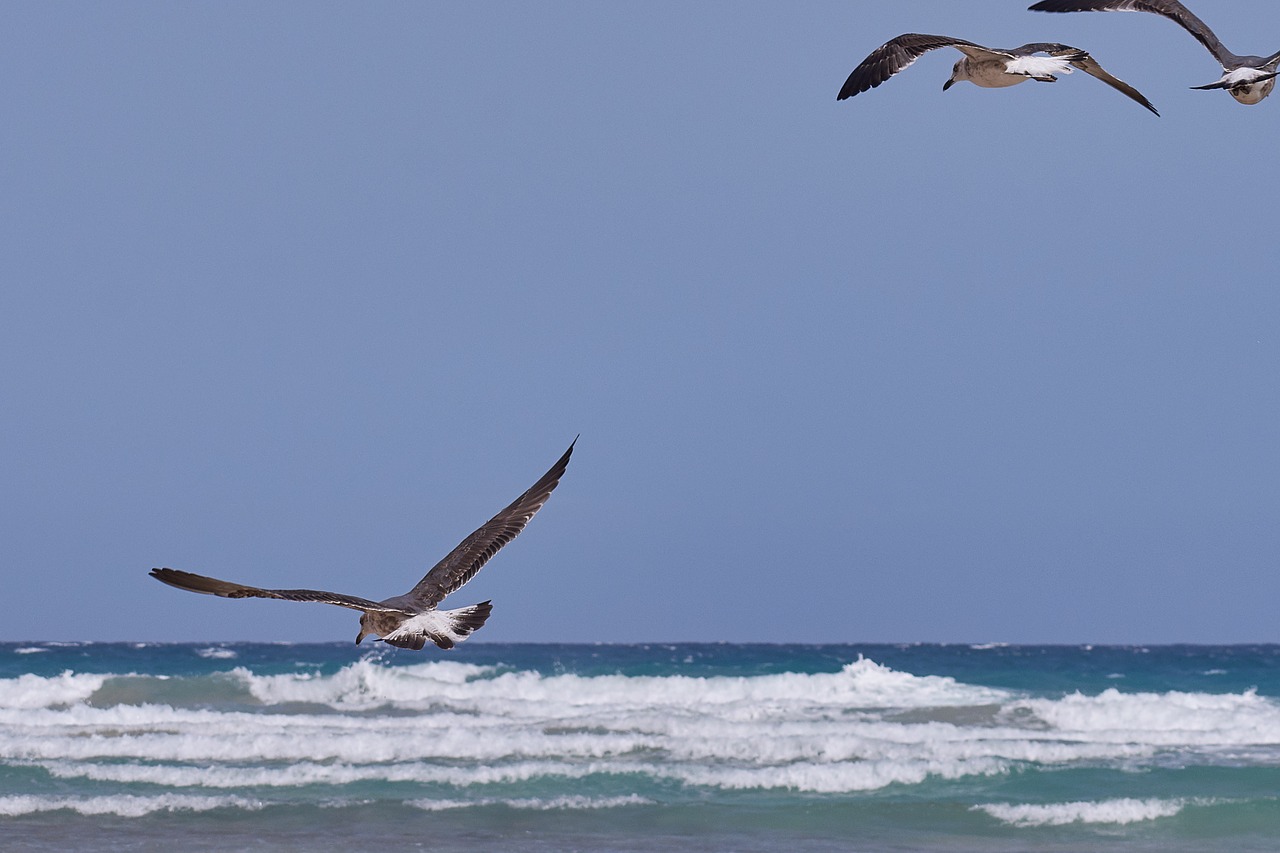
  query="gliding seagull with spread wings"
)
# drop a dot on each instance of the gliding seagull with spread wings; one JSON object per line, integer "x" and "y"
{"x": 988, "y": 67}
{"x": 409, "y": 620}
{"x": 1248, "y": 79}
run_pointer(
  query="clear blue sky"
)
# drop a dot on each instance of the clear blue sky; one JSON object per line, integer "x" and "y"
{"x": 299, "y": 294}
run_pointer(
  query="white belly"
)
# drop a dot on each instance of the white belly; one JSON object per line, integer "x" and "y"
{"x": 1252, "y": 93}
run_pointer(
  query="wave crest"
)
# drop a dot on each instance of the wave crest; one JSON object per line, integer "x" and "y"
{"x": 1117, "y": 812}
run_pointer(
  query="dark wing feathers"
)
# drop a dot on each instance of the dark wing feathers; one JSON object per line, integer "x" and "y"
{"x": 463, "y": 562}
{"x": 1090, "y": 66}
{"x": 1086, "y": 63}
{"x": 891, "y": 57}
{"x": 1171, "y": 9}
{"x": 1052, "y": 48}
{"x": 450, "y": 573}
{"x": 227, "y": 589}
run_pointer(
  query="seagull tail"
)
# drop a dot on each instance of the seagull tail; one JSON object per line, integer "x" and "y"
{"x": 445, "y": 628}
{"x": 462, "y": 623}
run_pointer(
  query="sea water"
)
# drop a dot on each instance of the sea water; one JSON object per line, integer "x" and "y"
{"x": 639, "y": 748}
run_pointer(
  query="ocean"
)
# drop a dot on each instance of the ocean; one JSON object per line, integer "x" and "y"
{"x": 515, "y": 747}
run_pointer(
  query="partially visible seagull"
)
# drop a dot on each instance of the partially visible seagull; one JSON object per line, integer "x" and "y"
{"x": 989, "y": 67}
{"x": 409, "y": 620}
{"x": 1249, "y": 79}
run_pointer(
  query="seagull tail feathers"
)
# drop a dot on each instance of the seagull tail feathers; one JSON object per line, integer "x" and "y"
{"x": 445, "y": 628}
{"x": 466, "y": 621}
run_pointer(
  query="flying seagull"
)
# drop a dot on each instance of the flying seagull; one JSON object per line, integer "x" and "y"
{"x": 409, "y": 620}
{"x": 1249, "y": 79}
{"x": 988, "y": 67}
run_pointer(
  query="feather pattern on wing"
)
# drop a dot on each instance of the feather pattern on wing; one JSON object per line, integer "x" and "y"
{"x": 227, "y": 589}
{"x": 1090, "y": 66}
{"x": 1171, "y": 9}
{"x": 893, "y": 56}
{"x": 1086, "y": 63}
{"x": 462, "y": 563}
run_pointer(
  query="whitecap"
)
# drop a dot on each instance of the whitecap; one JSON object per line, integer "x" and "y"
{"x": 30, "y": 650}
{"x": 217, "y": 653}
{"x": 122, "y": 805}
{"x": 566, "y": 803}
{"x": 1118, "y": 811}
{"x": 34, "y": 691}
{"x": 1162, "y": 719}
{"x": 861, "y": 728}
{"x": 365, "y": 685}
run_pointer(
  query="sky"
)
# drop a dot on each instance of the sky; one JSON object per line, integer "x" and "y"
{"x": 299, "y": 294}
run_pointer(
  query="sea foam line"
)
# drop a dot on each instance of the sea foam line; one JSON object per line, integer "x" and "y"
{"x": 861, "y": 728}
{"x": 123, "y": 805}
{"x": 813, "y": 777}
{"x": 861, "y": 684}
{"x": 1117, "y": 811}
{"x": 566, "y": 803}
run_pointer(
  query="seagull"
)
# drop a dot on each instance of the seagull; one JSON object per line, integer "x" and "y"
{"x": 409, "y": 620}
{"x": 1249, "y": 79}
{"x": 988, "y": 67}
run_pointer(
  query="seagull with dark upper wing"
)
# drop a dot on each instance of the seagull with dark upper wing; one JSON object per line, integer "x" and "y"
{"x": 1248, "y": 79}
{"x": 409, "y": 620}
{"x": 988, "y": 67}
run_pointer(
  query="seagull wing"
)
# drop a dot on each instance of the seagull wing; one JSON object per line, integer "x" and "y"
{"x": 893, "y": 56}
{"x": 463, "y": 562}
{"x": 1090, "y": 66}
{"x": 227, "y": 589}
{"x": 1086, "y": 63}
{"x": 1171, "y": 9}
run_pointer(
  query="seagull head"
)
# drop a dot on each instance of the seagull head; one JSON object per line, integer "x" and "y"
{"x": 960, "y": 71}
{"x": 364, "y": 628}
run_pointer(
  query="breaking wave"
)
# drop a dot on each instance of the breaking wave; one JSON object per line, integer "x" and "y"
{"x": 1118, "y": 812}
{"x": 464, "y": 726}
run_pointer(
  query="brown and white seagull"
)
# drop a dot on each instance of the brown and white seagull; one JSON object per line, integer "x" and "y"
{"x": 989, "y": 67}
{"x": 1248, "y": 79}
{"x": 409, "y": 620}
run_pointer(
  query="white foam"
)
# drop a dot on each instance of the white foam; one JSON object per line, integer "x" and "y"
{"x": 308, "y": 773}
{"x": 1121, "y": 811}
{"x": 34, "y": 691}
{"x": 364, "y": 684}
{"x": 570, "y": 803}
{"x": 30, "y": 650}
{"x": 218, "y": 653}
{"x": 1162, "y": 719}
{"x": 862, "y": 684}
{"x": 833, "y": 778}
{"x": 122, "y": 805}
{"x": 861, "y": 728}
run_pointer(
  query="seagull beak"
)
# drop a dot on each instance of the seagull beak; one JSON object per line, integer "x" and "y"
{"x": 947, "y": 85}
{"x": 361, "y": 636}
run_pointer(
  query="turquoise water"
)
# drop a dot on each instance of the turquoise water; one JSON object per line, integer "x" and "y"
{"x": 639, "y": 747}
